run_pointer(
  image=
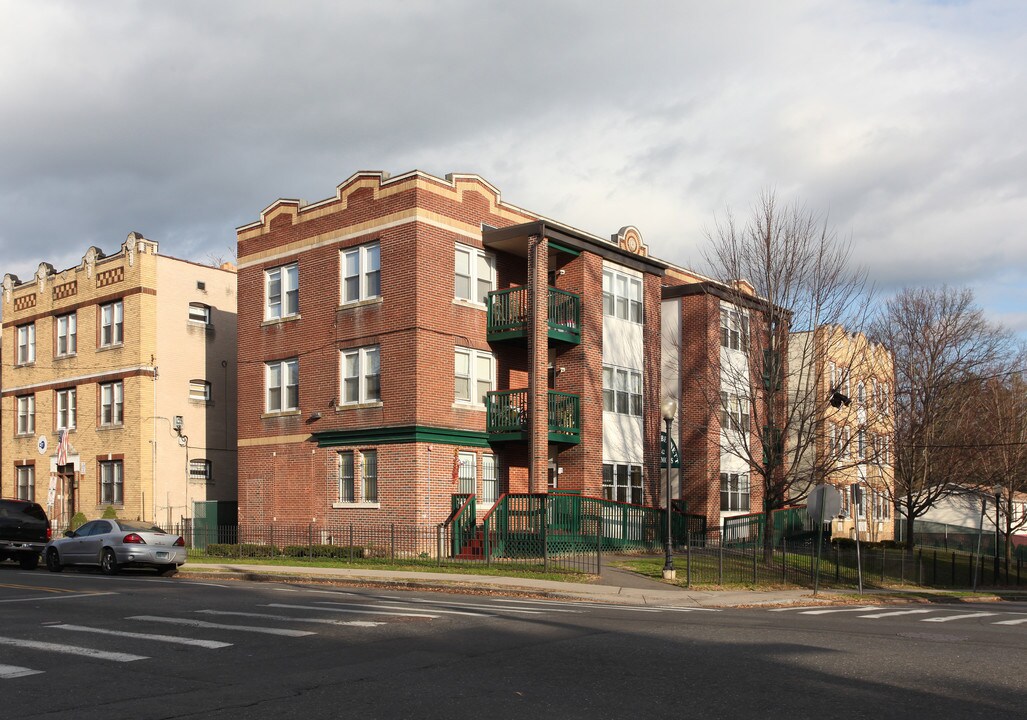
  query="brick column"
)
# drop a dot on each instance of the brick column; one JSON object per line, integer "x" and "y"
{"x": 538, "y": 351}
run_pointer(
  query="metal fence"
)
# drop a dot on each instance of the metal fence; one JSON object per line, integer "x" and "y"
{"x": 408, "y": 545}
{"x": 956, "y": 537}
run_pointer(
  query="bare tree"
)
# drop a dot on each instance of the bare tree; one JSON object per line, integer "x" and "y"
{"x": 800, "y": 273}
{"x": 942, "y": 345}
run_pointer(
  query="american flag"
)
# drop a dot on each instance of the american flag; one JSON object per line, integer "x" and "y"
{"x": 62, "y": 448}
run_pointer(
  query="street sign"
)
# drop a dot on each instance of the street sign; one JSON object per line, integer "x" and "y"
{"x": 824, "y": 502}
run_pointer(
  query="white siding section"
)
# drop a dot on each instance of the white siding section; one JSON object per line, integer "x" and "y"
{"x": 622, "y": 346}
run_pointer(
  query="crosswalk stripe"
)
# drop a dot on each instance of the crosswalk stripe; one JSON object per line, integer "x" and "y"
{"x": 1018, "y": 621}
{"x": 475, "y": 606}
{"x": 13, "y": 671}
{"x": 894, "y": 613}
{"x": 209, "y": 644}
{"x": 218, "y": 626}
{"x": 795, "y": 608}
{"x": 349, "y": 610}
{"x": 402, "y": 606}
{"x": 950, "y": 618}
{"x": 290, "y": 618}
{"x": 840, "y": 610}
{"x": 71, "y": 650}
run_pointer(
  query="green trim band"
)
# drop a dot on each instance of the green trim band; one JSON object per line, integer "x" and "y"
{"x": 398, "y": 435}
{"x": 563, "y": 248}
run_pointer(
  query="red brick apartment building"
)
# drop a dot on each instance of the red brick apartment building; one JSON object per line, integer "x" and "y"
{"x": 413, "y": 337}
{"x": 712, "y": 334}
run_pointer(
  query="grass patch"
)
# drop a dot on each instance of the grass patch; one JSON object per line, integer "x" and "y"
{"x": 532, "y": 572}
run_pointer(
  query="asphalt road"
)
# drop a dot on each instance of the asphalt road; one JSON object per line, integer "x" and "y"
{"x": 81, "y": 645}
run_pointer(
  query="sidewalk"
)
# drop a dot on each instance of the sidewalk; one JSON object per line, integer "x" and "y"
{"x": 615, "y": 586}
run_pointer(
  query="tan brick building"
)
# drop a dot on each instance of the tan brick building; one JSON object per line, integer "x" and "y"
{"x": 853, "y": 445}
{"x": 133, "y": 356}
{"x": 414, "y": 337}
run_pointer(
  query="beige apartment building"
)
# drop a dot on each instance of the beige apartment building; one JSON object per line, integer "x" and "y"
{"x": 129, "y": 357}
{"x": 850, "y": 385}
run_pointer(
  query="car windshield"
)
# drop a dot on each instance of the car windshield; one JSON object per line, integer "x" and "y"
{"x": 139, "y": 527}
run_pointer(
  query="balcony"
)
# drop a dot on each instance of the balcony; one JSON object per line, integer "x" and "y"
{"x": 508, "y": 315}
{"x": 507, "y": 417}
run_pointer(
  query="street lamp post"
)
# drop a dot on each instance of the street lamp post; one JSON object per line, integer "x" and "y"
{"x": 670, "y": 409}
{"x": 998, "y": 500}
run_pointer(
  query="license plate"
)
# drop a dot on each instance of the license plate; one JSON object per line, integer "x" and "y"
{"x": 162, "y": 554}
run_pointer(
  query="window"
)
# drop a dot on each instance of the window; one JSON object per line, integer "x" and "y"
{"x": 112, "y": 403}
{"x": 367, "y": 490}
{"x": 622, "y": 296}
{"x": 200, "y": 470}
{"x": 622, "y": 391}
{"x": 489, "y": 479}
{"x": 475, "y": 272}
{"x": 468, "y": 473}
{"x": 622, "y": 483}
{"x": 861, "y": 444}
{"x": 884, "y": 399}
{"x": 734, "y": 492}
{"x": 67, "y": 335}
{"x": 26, "y": 343}
{"x": 26, "y": 414}
{"x": 199, "y": 390}
{"x": 283, "y": 385}
{"x": 66, "y": 409}
{"x": 734, "y": 412}
{"x": 361, "y": 375}
{"x": 282, "y": 292}
{"x": 361, "y": 273}
{"x": 112, "y": 324}
{"x": 734, "y": 329}
{"x": 861, "y": 394}
{"x": 845, "y": 437}
{"x": 26, "y": 479}
{"x": 858, "y": 498}
{"x": 199, "y": 313}
{"x": 112, "y": 490}
{"x": 475, "y": 375}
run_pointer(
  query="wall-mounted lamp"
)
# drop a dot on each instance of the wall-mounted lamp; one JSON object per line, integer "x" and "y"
{"x": 315, "y": 416}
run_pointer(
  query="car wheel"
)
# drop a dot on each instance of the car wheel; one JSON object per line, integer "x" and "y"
{"x": 29, "y": 562}
{"x": 108, "y": 563}
{"x": 167, "y": 570}
{"x": 53, "y": 561}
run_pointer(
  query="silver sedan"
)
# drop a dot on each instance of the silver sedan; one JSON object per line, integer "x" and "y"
{"x": 114, "y": 544}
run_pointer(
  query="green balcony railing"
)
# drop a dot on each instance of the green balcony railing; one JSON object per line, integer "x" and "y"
{"x": 507, "y": 416}
{"x": 508, "y": 314}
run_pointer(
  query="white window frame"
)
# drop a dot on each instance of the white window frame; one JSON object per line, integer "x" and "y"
{"x": 288, "y": 369}
{"x": 489, "y": 478}
{"x": 477, "y": 387}
{"x": 368, "y": 377}
{"x": 200, "y": 470}
{"x": 286, "y": 302}
{"x": 67, "y": 332}
{"x": 26, "y": 405}
{"x": 622, "y": 391}
{"x": 199, "y": 390}
{"x": 734, "y": 328}
{"x": 358, "y": 478}
{"x": 622, "y": 482}
{"x": 734, "y": 413}
{"x": 112, "y": 482}
{"x": 66, "y": 416}
{"x": 112, "y": 404}
{"x": 199, "y": 313}
{"x": 367, "y": 274}
{"x": 26, "y": 344}
{"x": 112, "y": 324}
{"x": 467, "y": 473}
{"x": 25, "y": 482}
{"x": 478, "y": 275}
{"x": 622, "y": 296}
{"x": 736, "y": 489}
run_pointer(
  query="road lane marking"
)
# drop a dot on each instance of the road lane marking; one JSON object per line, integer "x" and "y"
{"x": 13, "y": 671}
{"x": 406, "y": 606}
{"x": 290, "y": 618}
{"x": 58, "y": 597}
{"x": 348, "y": 610}
{"x": 209, "y": 644}
{"x": 34, "y": 587}
{"x": 840, "y": 610}
{"x": 71, "y": 650}
{"x": 219, "y": 626}
{"x": 893, "y": 613}
{"x": 1018, "y": 621}
{"x": 958, "y": 617}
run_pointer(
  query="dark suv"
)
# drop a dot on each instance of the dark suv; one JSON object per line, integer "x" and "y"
{"x": 24, "y": 532}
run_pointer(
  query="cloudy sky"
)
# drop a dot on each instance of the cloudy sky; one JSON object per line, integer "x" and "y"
{"x": 905, "y": 120}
